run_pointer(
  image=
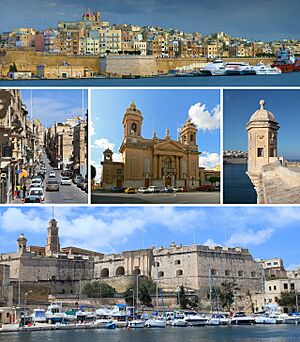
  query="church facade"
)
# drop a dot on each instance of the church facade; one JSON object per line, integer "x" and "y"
{"x": 162, "y": 162}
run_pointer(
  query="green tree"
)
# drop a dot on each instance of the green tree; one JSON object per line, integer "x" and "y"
{"x": 226, "y": 293}
{"x": 13, "y": 68}
{"x": 97, "y": 289}
{"x": 183, "y": 299}
{"x": 146, "y": 289}
{"x": 288, "y": 299}
{"x": 93, "y": 172}
{"x": 214, "y": 180}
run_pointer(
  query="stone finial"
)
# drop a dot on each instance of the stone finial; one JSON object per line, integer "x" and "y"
{"x": 154, "y": 135}
{"x": 167, "y": 132}
{"x": 132, "y": 104}
{"x": 262, "y": 104}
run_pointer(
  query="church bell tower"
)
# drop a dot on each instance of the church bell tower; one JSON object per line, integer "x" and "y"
{"x": 52, "y": 244}
{"x": 132, "y": 121}
{"x": 188, "y": 133}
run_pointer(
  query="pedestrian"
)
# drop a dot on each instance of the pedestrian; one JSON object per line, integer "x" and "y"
{"x": 24, "y": 191}
{"x": 18, "y": 191}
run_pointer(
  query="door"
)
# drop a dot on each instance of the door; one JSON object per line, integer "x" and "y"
{"x": 147, "y": 182}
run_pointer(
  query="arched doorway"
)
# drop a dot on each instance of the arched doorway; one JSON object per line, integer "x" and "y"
{"x": 120, "y": 271}
{"x": 136, "y": 271}
{"x": 104, "y": 273}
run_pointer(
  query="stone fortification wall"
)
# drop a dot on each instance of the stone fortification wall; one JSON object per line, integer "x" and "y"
{"x": 189, "y": 266}
{"x": 116, "y": 66}
{"x": 27, "y": 60}
{"x": 52, "y": 268}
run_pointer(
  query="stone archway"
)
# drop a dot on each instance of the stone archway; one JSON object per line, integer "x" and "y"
{"x": 136, "y": 271}
{"x": 104, "y": 273}
{"x": 120, "y": 271}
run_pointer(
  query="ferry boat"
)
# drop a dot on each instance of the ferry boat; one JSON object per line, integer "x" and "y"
{"x": 286, "y": 61}
{"x": 266, "y": 69}
{"x": 215, "y": 68}
{"x": 239, "y": 68}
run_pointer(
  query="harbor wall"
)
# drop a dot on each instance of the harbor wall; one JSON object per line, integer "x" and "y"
{"x": 27, "y": 60}
{"x": 116, "y": 66}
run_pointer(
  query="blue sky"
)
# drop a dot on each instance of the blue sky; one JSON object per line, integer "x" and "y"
{"x": 239, "y": 105}
{"x": 257, "y": 19}
{"x": 266, "y": 231}
{"x": 54, "y": 105}
{"x": 161, "y": 109}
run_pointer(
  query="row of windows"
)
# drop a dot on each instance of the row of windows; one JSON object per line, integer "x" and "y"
{"x": 285, "y": 287}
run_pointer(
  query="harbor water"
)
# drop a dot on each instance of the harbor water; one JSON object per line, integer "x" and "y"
{"x": 238, "y": 188}
{"x": 288, "y": 79}
{"x": 274, "y": 333}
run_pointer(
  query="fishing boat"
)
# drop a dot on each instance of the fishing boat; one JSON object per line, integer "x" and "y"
{"x": 54, "y": 313}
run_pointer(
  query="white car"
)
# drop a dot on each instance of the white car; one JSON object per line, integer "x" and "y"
{"x": 66, "y": 181}
{"x": 37, "y": 191}
{"x": 153, "y": 188}
{"x": 37, "y": 183}
{"x": 52, "y": 174}
{"x": 143, "y": 190}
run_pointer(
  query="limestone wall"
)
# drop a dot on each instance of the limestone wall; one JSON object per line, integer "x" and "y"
{"x": 27, "y": 60}
{"x": 129, "y": 65}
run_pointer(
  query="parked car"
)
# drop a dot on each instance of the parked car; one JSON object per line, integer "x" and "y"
{"x": 36, "y": 182}
{"x": 117, "y": 189}
{"x": 206, "y": 187}
{"x": 182, "y": 189}
{"x": 66, "y": 181}
{"x": 153, "y": 188}
{"x": 52, "y": 185}
{"x": 32, "y": 199}
{"x": 144, "y": 190}
{"x": 77, "y": 178}
{"x": 38, "y": 191}
{"x": 130, "y": 190}
{"x": 166, "y": 190}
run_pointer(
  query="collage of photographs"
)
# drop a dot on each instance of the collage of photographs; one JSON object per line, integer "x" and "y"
{"x": 149, "y": 171}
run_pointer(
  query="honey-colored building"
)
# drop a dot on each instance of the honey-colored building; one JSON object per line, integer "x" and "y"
{"x": 155, "y": 161}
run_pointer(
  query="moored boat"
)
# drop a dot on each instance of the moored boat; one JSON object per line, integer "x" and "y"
{"x": 241, "y": 319}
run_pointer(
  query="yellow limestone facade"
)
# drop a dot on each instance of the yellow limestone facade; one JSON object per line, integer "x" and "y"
{"x": 262, "y": 141}
{"x": 156, "y": 162}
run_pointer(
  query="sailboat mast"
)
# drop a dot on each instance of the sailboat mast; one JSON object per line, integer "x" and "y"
{"x": 210, "y": 289}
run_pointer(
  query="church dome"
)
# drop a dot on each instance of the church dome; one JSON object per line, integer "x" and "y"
{"x": 88, "y": 15}
{"x": 262, "y": 114}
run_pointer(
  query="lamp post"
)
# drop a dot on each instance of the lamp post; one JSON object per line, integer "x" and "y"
{"x": 25, "y": 297}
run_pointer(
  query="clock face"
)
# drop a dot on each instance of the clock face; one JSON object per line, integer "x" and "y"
{"x": 134, "y": 140}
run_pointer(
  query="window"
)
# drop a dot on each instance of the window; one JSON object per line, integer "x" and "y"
{"x": 179, "y": 273}
{"x": 160, "y": 274}
{"x": 292, "y": 286}
{"x": 253, "y": 274}
{"x": 227, "y": 272}
{"x": 157, "y": 264}
{"x": 285, "y": 286}
{"x": 214, "y": 272}
{"x": 260, "y": 152}
{"x": 269, "y": 264}
{"x": 276, "y": 299}
{"x": 270, "y": 288}
{"x": 275, "y": 263}
{"x": 240, "y": 273}
{"x": 275, "y": 288}
{"x": 177, "y": 262}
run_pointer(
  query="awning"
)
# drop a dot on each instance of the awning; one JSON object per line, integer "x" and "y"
{"x": 4, "y": 164}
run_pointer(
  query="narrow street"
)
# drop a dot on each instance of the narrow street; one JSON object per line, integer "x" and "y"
{"x": 66, "y": 193}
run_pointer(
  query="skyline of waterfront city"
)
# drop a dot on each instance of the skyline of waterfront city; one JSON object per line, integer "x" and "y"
{"x": 195, "y": 17}
{"x": 265, "y": 231}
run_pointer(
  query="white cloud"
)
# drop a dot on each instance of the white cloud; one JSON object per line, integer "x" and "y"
{"x": 103, "y": 144}
{"x": 210, "y": 242}
{"x": 92, "y": 129}
{"x": 209, "y": 160}
{"x": 203, "y": 119}
{"x": 250, "y": 237}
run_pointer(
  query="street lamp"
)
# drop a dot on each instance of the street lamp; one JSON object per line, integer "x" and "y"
{"x": 26, "y": 293}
